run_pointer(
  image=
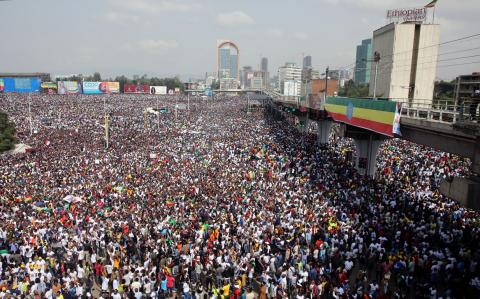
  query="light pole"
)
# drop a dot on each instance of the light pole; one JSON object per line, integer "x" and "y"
{"x": 326, "y": 80}
{"x": 30, "y": 117}
{"x": 176, "y": 113}
{"x": 376, "y": 59}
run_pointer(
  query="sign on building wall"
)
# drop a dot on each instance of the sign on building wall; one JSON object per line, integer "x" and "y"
{"x": 401, "y": 15}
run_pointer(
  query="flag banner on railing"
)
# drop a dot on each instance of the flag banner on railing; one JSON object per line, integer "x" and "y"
{"x": 379, "y": 116}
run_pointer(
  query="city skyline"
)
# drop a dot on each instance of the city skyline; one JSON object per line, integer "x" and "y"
{"x": 137, "y": 37}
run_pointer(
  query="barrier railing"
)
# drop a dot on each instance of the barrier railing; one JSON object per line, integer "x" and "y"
{"x": 442, "y": 111}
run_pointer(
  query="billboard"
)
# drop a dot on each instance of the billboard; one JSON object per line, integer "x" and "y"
{"x": 101, "y": 87}
{"x": 28, "y": 84}
{"x": 158, "y": 90}
{"x": 49, "y": 87}
{"x": 110, "y": 87}
{"x": 136, "y": 88}
{"x": 69, "y": 87}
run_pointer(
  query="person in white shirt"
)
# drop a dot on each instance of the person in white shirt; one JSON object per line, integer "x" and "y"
{"x": 116, "y": 295}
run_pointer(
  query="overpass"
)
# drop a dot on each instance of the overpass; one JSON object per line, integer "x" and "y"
{"x": 216, "y": 91}
{"x": 441, "y": 127}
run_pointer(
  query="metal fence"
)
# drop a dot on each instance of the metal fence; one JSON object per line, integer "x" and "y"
{"x": 442, "y": 111}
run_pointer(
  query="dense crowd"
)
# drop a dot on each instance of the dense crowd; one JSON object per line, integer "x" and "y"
{"x": 207, "y": 201}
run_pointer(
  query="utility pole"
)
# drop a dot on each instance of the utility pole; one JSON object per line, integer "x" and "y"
{"x": 107, "y": 131}
{"x": 176, "y": 113}
{"x": 326, "y": 81}
{"x": 188, "y": 103}
{"x": 30, "y": 117}
{"x": 376, "y": 59}
{"x": 145, "y": 119}
{"x": 458, "y": 105}
{"x": 158, "y": 115}
{"x": 104, "y": 106}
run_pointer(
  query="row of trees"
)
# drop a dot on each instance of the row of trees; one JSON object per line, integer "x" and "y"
{"x": 444, "y": 90}
{"x": 7, "y": 133}
{"x": 171, "y": 83}
{"x": 352, "y": 90}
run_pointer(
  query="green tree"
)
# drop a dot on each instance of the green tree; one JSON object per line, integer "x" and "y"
{"x": 445, "y": 91}
{"x": 7, "y": 133}
{"x": 97, "y": 77}
{"x": 215, "y": 84}
{"x": 352, "y": 90}
{"x": 122, "y": 80}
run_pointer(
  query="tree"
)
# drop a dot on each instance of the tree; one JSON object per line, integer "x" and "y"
{"x": 7, "y": 133}
{"x": 97, "y": 77}
{"x": 122, "y": 80}
{"x": 445, "y": 91}
{"x": 215, "y": 84}
{"x": 352, "y": 90}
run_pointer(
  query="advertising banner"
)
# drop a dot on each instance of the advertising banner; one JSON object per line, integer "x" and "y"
{"x": 382, "y": 117}
{"x": 158, "y": 90}
{"x": 29, "y": 84}
{"x": 92, "y": 88}
{"x": 2, "y": 85}
{"x": 136, "y": 88}
{"x": 101, "y": 87}
{"x": 49, "y": 87}
{"x": 69, "y": 87}
{"x": 110, "y": 87}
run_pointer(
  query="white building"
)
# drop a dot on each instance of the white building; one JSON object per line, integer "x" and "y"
{"x": 228, "y": 83}
{"x": 257, "y": 83}
{"x": 290, "y": 79}
{"x": 408, "y": 62}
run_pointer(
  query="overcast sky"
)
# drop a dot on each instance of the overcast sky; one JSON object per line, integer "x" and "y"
{"x": 178, "y": 37}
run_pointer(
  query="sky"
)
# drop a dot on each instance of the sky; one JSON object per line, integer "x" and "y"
{"x": 178, "y": 37}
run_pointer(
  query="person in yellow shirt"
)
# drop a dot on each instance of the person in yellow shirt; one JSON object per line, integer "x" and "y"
{"x": 226, "y": 289}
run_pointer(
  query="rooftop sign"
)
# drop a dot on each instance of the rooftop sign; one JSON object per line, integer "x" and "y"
{"x": 402, "y": 15}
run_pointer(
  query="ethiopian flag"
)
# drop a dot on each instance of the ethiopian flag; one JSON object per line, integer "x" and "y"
{"x": 431, "y": 4}
{"x": 373, "y": 115}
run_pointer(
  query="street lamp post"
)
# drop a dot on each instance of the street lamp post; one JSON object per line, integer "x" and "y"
{"x": 376, "y": 59}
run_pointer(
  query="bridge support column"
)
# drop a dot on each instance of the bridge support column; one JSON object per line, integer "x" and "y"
{"x": 323, "y": 131}
{"x": 303, "y": 123}
{"x": 367, "y": 150}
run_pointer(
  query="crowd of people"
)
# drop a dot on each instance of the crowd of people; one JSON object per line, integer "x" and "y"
{"x": 201, "y": 199}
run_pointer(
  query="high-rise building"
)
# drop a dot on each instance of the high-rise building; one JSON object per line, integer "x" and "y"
{"x": 290, "y": 79}
{"x": 408, "y": 61}
{"x": 264, "y": 69}
{"x": 307, "y": 62}
{"x": 228, "y": 59}
{"x": 362, "y": 64}
{"x": 246, "y": 75}
{"x": 264, "y": 64}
